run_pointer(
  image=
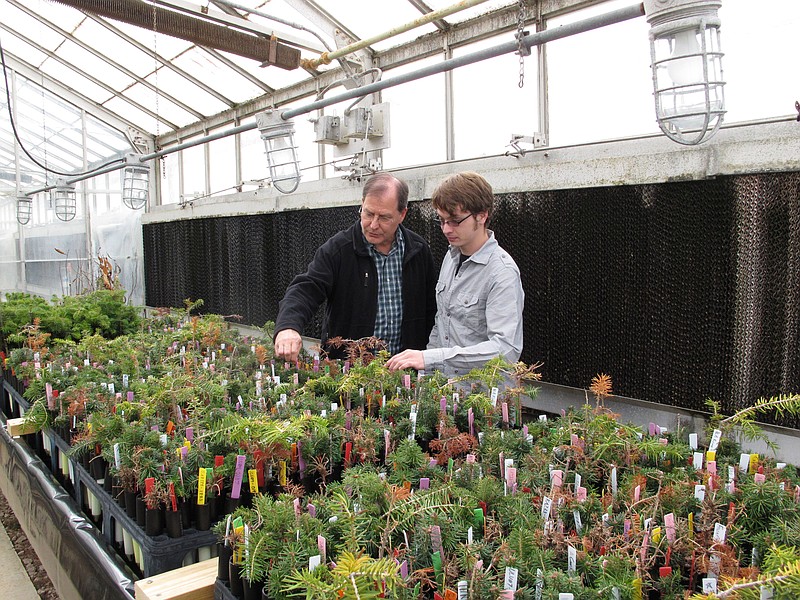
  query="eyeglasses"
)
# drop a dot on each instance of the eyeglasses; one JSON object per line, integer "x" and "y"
{"x": 369, "y": 216}
{"x": 452, "y": 222}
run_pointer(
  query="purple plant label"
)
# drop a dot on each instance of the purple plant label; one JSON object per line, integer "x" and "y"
{"x": 154, "y": 428}
{"x": 424, "y": 483}
{"x": 312, "y": 510}
{"x": 525, "y": 431}
{"x": 471, "y": 421}
{"x": 626, "y": 529}
{"x": 184, "y": 452}
{"x": 404, "y": 569}
{"x": 443, "y": 404}
{"x": 130, "y": 395}
{"x": 190, "y": 434}
{"x": 322, "y": 545}
{"x": 432, "y": 463}
{"x": 238, "y": 475}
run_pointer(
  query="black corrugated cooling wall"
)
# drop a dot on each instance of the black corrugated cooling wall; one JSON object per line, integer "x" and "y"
{"x": 680, "y": 291}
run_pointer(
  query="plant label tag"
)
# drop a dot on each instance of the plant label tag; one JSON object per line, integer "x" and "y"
{"x": 711, "y": 467}
{"x": 615, "y": 593}
{"x": 314, "y": 562}
{"x": 637, "y": 492}
{"x": 505, "y": 412}
{"x": 697, "y": 461}
{"x": 572, "y": 559}
{"x": 111, "y": 388}
{"x": 578, "y": 521}
{"x": 716, "y": 436}
{"x": 753, "y": 463}
{"x": 510, "y": 581}
{"x": 580, "y": 494}
{"x": 407, "y": 381}
{"x": 759, "y": 478}
{"x": 117, "y": 458}
{"x": 404, "y": 569}
{"x": 766, "y": 593}
{"x": 578, "y": 480}
{"x": 566, "y": 596}
{"x": 542, "y": 418}
{"x": 604, "y": 518}
{"x": 744, "y": 462}
{"x": 469, "y": 536}
{"x": 547, "y": 504}
{"x": 700, "y": 492}
{"x": 463, "y": 590}
{"x": 556, "y": 478}
{"x": 719, "y": 533}
{"x": 494, "y": 396}
{"x": 537, "y": 594}
{"x": 709, "y": 585}
{"x": 714, "y": 564}
{"x": 436, "y": 538}
{"x": 614, "y": 481}
{"x": 669, "y": 525}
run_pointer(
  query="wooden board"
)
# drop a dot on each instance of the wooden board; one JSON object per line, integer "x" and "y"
{"x": 194, "y": 582}
{"x": 18, "y": 427}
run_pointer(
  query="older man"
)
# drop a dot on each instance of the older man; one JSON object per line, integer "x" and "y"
{"x": 377, "y": 278}
{"x": 479, "y": 293}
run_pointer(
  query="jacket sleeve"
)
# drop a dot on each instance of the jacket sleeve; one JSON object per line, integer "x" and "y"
{"x": 431, "y": 276}
{"x": 308, "y": 291}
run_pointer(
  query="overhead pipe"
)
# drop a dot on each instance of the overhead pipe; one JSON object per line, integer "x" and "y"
{"x": 327, "y": 57}
{"x": 534, "y": 39}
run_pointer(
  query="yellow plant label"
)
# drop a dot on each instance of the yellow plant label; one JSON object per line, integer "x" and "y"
{"x": 201, "y": 486}
{"x": 252, "y": 477}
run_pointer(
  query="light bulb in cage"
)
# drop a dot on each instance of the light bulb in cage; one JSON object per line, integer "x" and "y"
{"x": 64, "y": 200}
{"x": 135, "y": 183}
{"x": 278, "y": 136}
{"x": 24, "y": 209}
{"x": 687, "y": 68}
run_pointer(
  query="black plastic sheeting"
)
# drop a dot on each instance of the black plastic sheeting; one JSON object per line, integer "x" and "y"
{"x": 681, "y": 291}
{"x": 71, "y": 549}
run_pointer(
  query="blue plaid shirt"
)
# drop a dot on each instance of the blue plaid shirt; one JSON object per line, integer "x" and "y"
{"x": 390, "y": 292}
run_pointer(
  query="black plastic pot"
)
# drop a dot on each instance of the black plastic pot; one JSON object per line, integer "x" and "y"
{"x": 224, "y": 554}
{"x": 154, "y": 521}
{"x": 235, "y": 579}
{"x": 141, "y": 511}
{"x": 203, "y": 517}
{"x": 172, "y": 521}
{"x": 130, "y": 503}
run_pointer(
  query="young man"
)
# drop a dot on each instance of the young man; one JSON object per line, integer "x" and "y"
{"x": 377, "y": 278}
{"x": 479, "y": 294}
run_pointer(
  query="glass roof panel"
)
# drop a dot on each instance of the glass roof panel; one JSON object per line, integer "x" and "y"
{"x": 160, "y": 105}
{"x": 24, "y": 25}
{"x": 164, "y": 45}
{"x": 117, "y": 48}
{"x": 75, "y": 80}
{"x": 96, "y": 66}
{"x": 207, "y": 69}
{"x": 364, "y": 21}
{"x": 21, "y": 48}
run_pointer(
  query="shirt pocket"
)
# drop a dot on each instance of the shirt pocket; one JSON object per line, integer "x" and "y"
{"x": 470, "y": 311}
{"x": 441, "y": 288}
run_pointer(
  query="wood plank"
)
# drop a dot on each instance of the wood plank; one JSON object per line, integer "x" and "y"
{"x": 193, "y": 582}
{"x": 18, "y": 427}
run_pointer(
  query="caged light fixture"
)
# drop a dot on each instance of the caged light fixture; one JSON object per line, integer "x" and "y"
{"x": 278, "y": 136}
{"x": 64, "y": 200}
{"x": 687, "y": 68}
{"x": 135, "y": 183}
{"x": 24, "y": 209}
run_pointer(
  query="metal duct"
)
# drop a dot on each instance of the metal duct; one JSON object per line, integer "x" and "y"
{"x": 203, "y": 33}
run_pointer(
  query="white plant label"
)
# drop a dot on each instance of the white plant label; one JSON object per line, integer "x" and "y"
{"x": 614, "y": 481}
{"x": 572, "y": 559}
{"x": 463, "y": 590}
{"x": 314, "y": 562}
{"x": 578, "y": 480}
{"x": 715, "y": 438}
{"x": 510, "y": 581}
{"x": 578, "y": 521}
{"x": 744, "y": 462}
{"x": 697, "y": 461}
{"x": 719, "y": 533}
{"x": 537, "y": 594}
{"x": 700, "y": 492}
{"x": 494, "y": 396}
{"x": 469, "y": 536}
{"x": 547, "y": 504}
{"x": 693, "y": 441}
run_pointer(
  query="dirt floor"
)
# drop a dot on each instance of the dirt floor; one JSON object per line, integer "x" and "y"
{"x": 26, "y": 553}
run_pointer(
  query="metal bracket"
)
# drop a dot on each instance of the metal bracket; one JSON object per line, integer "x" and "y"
{"x": 537, "y": 140}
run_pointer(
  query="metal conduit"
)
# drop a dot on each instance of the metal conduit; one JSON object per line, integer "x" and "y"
{"x": 534, "y": 39}
{"x": 327, "y": 57}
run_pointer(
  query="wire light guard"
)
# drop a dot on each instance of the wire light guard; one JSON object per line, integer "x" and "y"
{"x": 64, "y": 200}
{"x": 24, "y": 209}
{"x": 278, "y": 136}
{"x": 687, "y": 68}
{"x": 135, "y": 183}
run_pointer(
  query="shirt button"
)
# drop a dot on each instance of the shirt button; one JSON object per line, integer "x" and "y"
{"x": 448, "y": 314}
{"x": 446, "y": 337}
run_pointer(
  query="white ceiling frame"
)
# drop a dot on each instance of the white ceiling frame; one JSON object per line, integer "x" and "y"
{"x": 110, "y": 118}
{"x": 106, "y": 59}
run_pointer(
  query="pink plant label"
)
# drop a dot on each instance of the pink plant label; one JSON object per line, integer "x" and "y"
{"x": 471, "y": 421}
{"x": 322, "y": 546}
{"x": 504, "y": 408}
{"x": 436, "y": 538}
{"x": 556, "y": 478}
{"x": 711, "y": 467}
{"x": 669, "y": 525}
{"x": 580, "y": 494}
{"x": 636, "y": 493}
{"x": 759, "y": 478}
{"x": 407, "y": 381}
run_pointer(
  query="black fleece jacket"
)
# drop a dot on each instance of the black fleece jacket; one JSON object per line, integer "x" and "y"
{"x": 343, "y": 273}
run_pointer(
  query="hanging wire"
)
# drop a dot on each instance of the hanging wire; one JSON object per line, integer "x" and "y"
{"x": 19, "y": 139}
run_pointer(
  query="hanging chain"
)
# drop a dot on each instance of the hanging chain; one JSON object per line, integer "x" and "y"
{"x": 522, "y": 50}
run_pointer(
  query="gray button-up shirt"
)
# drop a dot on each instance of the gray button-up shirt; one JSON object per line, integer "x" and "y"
{"x": 479, "y": 311}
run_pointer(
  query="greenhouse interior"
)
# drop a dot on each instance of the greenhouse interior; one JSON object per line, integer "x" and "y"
{"x": 199, "y": 400}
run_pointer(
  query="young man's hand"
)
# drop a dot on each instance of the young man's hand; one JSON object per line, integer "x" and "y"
{"x": 407, "y": 359}
{"x": 288, "y": 344}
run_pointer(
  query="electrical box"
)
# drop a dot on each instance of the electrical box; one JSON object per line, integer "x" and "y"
{"x": 327, "y": 130}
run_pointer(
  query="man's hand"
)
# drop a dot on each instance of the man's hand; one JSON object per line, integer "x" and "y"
{"x": 407, "y": 359}
{"x": 288, "y": 344}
